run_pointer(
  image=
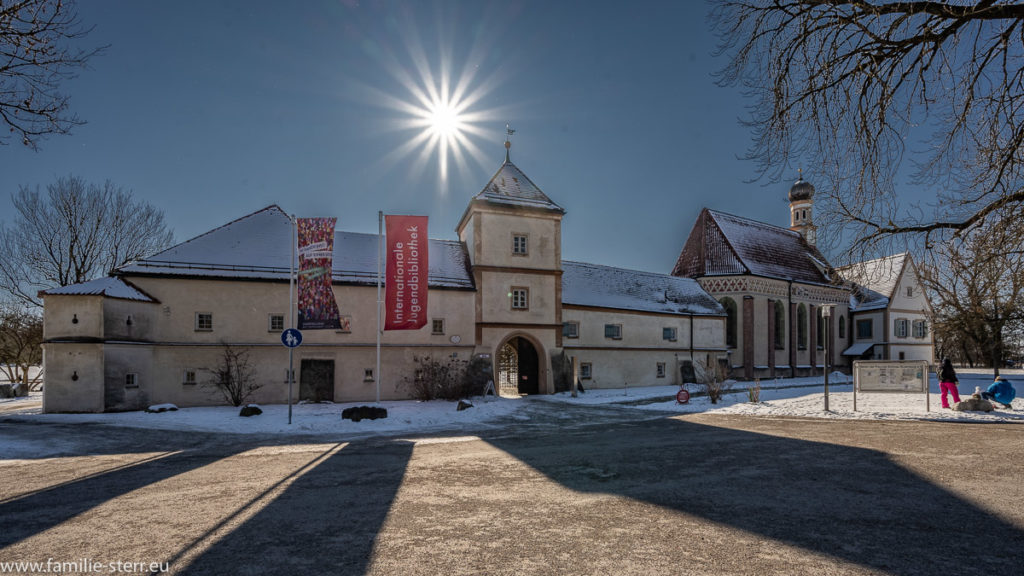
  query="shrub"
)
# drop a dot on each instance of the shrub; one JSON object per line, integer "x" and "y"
{"x": 233, "y": 376}
{"x": 754, "y": 392}
{"x": 712, "y": 376}
{"x": 448, "y": 379}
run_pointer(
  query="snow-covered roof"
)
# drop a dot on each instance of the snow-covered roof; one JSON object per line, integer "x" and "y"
{"x": 874, "y": 281}
{"x": 258, "y": 246}
{"x": 110, "y": 287}
{"x": 510, "y": 186}
{"x": 618, "y": 288}
{"x": 722, "y": 244}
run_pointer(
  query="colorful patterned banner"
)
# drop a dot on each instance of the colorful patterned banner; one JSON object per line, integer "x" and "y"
{"x": 317, "y": 308}
{"x": 406, "y": 277}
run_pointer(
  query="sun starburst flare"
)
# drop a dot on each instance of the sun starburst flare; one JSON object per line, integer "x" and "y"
{"x": 439, "y": 110}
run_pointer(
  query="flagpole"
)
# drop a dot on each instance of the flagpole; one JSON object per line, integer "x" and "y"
{"x": 380, "y": 249}
{"x": 291, "y": 313}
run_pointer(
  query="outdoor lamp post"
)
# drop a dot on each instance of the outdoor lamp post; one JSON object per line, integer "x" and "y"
{"x": 826, "y": 314}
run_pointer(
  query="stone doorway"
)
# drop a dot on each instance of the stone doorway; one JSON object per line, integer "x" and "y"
{"x": 518, "y": 368}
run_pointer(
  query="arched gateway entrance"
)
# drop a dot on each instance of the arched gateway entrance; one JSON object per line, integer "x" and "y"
{"x": 518, "y": 368}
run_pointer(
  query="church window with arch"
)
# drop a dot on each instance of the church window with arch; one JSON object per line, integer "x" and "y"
{"x": 730, "y": 321}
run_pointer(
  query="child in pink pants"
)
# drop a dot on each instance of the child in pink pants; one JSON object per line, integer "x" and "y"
{"x": 948, "y": 382}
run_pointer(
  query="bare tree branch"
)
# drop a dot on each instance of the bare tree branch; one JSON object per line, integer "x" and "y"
{"x": 852, "y": 89}
{"x": 36, "y": 55}
{"x": 74, "y": 233}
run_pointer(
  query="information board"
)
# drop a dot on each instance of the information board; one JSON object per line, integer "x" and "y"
{"x": 890, "y": 376}
{"x": 895, "y": 376}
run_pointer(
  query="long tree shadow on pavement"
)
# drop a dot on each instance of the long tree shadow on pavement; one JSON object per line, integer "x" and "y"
{"x": 327, "y": 520}
{"x": 849, "y": 503}
{"x": 25, "y": 516}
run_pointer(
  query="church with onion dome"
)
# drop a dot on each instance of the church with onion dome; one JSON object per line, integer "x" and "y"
{"x": 789, "y": 312}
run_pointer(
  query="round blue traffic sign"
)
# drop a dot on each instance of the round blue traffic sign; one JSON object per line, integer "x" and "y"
{"x": 291, "y": 338}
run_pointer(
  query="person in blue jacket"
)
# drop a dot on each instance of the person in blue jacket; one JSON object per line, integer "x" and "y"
{"x": 1001, "y": 391}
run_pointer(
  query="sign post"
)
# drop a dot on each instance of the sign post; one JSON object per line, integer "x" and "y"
{"x": 291, "y": 338}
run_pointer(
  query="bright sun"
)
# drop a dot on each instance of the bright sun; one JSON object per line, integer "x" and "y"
{"x": 444, "y": 120}
{"x": 440, "y": 110}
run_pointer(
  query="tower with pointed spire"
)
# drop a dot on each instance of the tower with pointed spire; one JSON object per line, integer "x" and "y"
{"x": 801, "y": 209}
{"x": 513, "y": 233}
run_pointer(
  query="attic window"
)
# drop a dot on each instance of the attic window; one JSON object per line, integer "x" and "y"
{"x": 910, "y": 291}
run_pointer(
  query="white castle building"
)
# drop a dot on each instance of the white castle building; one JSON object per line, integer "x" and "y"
{"x": 743, "y": 293}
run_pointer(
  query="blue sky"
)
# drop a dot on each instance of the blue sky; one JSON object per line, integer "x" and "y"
{"x": 212, "y": 110}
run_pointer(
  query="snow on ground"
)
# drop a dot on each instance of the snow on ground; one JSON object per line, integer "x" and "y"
{"x": 793, "y": 397}
{"x": 804, "y": 397}
{"x": 306, "y": 418}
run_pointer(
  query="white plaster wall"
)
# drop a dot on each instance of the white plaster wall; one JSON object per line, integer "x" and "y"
{"x": 241, "y": 309}
{"x": 61, "y": 393}
{"x": 60, "y": 312}
{"x": 497, "y": 230}
{"x": 497, "y": 304}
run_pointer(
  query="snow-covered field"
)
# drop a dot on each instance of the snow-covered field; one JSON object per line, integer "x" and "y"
{"x": 798, "y": 397}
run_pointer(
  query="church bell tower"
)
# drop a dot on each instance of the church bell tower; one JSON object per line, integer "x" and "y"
{"x": 801, "y": 209}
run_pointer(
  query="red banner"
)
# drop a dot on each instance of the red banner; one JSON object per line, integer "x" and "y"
{"x": 317, "y": 308}
{"x": 406, "y": 278}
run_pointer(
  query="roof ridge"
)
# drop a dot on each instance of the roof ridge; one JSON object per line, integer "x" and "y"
{"x": 904, "y": 255}
{"x": 208, "y": 232}
{"x": 648, "y": 272}
{"x": 752, "y": 221}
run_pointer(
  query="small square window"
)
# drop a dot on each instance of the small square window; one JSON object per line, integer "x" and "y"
{"x": 131, "y": 380}
{"x": 668, "y": 334}
{"x": 368, "y": 375}
{"x": 571, "y": 329}
{"x": 613, "y": 331}
{"x": 204, "y": 321}
{"x": 520, "y": 298}
{"x": 437, "y": 326}
{"x": 275, "y": 323}
{"x": 661, "y": 369}
{"x": 585, "y": 371}
{"x": 520, "y": 247}
{"x": 188, "y": 378}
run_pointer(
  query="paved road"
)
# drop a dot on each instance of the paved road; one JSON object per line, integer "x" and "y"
{"x": 595, "y": 490}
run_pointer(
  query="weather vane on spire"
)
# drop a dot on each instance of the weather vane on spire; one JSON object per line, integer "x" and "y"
{"x": 508, "y": 144}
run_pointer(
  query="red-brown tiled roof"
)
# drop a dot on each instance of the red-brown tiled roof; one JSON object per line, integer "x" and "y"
{"x": 722, "y": 244}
